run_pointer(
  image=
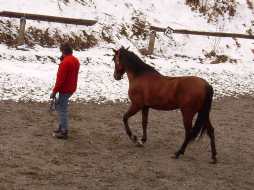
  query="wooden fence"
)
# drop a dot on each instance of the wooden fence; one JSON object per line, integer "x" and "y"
{"x": 48, "y": 18}
{"x": 170, "y": 30}
{"x": 24, "y": 16}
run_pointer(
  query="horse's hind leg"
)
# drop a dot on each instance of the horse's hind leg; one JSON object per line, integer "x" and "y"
{"x": 210, "y": 133}
{"x": 187, "y": 120}
{"x": 145, "y": 111}
{"x": 132, "y": 111}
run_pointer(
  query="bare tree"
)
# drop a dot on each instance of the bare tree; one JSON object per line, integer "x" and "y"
{"x": 194, "y": 3}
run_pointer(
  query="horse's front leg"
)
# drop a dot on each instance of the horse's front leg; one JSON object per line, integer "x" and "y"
{"x": 145, "y": 112}
{"x": 132, "y": 111}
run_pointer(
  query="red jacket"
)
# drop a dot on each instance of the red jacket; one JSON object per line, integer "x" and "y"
{"x": 67, "y": 75}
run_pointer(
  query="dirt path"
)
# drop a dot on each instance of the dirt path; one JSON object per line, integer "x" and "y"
{"x": 98, "y": 154}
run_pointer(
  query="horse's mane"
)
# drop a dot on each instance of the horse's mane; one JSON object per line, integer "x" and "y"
{"x": 132, "y": 62}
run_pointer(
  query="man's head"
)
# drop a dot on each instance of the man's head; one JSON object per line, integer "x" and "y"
{"x": 66, "y": 48}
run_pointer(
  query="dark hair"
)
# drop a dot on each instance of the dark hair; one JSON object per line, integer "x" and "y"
{"x": 134, "y": 63}
{"x": 66, "y": 48}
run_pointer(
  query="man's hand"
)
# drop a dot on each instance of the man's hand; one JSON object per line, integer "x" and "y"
{"x": 62, "y": 57}
{"x": 52, "y": 95}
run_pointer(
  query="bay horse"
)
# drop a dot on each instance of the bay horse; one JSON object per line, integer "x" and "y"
{"x": 150, "y": 89}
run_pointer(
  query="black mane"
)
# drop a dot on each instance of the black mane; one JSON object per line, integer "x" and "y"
{"x": 132, "y": 62}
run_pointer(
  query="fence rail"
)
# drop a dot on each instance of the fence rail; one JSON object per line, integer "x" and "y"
{"x": 193, "y": 32}
{"x": 48, "y": 18}
{"x": 23, "y": 16}
{"x": 167, "y": 31}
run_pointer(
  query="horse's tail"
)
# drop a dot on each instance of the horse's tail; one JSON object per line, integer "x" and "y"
{"x": 203, "y": 115}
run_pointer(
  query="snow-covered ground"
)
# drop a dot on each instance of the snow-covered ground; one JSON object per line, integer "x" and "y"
{"x": 30, "y": 75}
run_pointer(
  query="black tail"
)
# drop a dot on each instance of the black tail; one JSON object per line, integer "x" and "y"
{"x": 203, "y": 115}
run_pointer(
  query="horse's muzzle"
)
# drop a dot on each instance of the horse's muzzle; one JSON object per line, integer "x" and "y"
{"x": 118, "y": 77}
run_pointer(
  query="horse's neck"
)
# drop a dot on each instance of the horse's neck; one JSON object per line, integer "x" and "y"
{"x": 130, "y": 76}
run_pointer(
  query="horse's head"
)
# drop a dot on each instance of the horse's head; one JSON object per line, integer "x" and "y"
{"x": 119, "y": 67}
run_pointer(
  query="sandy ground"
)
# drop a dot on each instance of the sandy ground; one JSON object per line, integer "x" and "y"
{"x": 98, "y": 154}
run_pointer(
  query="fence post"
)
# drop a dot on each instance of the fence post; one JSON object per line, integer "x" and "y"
{"x": 21, "y": 36}
{"x": 151, "y": 42}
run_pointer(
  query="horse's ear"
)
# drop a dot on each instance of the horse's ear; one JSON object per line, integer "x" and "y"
{"x": 114, "y": 50}
{"x": 128, "y": 48}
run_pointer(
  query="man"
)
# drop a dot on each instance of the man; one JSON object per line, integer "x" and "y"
{"x": 66, "y": 85}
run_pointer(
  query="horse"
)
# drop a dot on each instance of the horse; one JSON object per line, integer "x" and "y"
{"x": 150, "y": 89}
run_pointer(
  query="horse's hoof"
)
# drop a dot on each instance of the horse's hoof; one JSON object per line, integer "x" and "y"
{"x": 143, "y": 141}
{"x": 176, "y": 155}
{"x": 134, "y": 139}
{"x": 214, "y": 161}
{"x": 139, "y": 143}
